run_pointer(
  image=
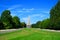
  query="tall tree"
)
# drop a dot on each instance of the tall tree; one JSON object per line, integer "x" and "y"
{"x": 16, "y": 22}
{"x": 6, "y": 19}
{"x": 1, "y": 24}
{"x": 55, "y": 16}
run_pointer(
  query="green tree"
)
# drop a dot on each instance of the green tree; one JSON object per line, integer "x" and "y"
{"x": 36, "y": 25}
{"x": 42, "y": 24}
{"x": 23, "y": 24}
{"x": 6, "y": 19}
{"x": 16, "y": 22}
{"x": 33, "y": 25}
{"x": 1, "y": 24}
{"x": 45, "y": 24}
{"x": 55, "y": 16}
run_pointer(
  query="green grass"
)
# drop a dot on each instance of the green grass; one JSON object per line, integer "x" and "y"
{"x": 30, "y": 34}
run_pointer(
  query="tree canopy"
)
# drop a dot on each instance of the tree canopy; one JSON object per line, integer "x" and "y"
{"x": 55, "y": 16}
{"x": 7, "y": 21}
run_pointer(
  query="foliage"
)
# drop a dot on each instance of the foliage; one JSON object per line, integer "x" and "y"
{"x": 42, "y": 24}
{"x": 6, "y": 19}
{"x": 16, "y": 22}
{"x": 23, "y": 24}
{"x": 33, "y": 25}
{"x": 45, "y": 23}
{"x": 53, "y": 22}
{"x": 55, "y": 16}
{"x": 37, "y": 25}
{"x": 1, "y": 24}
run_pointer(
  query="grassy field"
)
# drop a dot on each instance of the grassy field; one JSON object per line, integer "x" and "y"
{"x": 31, "y": 34}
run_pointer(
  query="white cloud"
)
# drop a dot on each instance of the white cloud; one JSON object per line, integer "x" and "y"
{"x": 32, "y": 16}
{"x": 25, "y": 10}
{"x": 28, "y": 9}
{"x": 45, "y": 12}
{"x": 37, "y": 15}
{"x": 25, "y": 19}
{"x": 20, "y": 11}
{"x": 14, "y": 13}
{"x": 32, "y": 9}
{"x": 14, "y": 7}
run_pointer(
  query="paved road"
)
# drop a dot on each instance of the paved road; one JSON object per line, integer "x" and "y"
{"x": 11, "y": 30}
{"x": 51, "y": 30}
{"x": 8, "y": 30}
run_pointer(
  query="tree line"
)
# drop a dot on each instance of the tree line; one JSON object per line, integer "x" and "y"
{"x": 50, "y": 23}
{"x": 8, "y": 22}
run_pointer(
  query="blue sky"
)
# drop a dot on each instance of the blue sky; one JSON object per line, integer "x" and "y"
{"x": 38, "y": 10}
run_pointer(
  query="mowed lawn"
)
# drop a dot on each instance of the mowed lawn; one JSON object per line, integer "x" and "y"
{"x": 31, "y": 34}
